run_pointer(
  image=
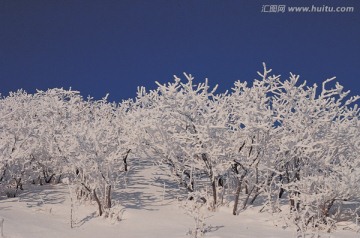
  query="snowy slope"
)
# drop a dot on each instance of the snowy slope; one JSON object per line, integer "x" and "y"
{"x": 149, "y": 211}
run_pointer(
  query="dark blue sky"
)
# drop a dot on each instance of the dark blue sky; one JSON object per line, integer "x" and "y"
{"x": 100, "y": 47}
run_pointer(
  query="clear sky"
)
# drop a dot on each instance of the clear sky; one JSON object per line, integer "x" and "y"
{"x": 109, "y": 46}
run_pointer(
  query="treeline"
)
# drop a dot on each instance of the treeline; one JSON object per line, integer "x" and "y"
{"x": 274, "y": 143}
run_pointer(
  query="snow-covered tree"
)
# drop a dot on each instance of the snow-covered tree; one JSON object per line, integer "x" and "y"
{"x": 253, "y": 137}
{"x": 281, "y": 140}
{"x": 183, "y": 126}
{"x": 317, "y": 159}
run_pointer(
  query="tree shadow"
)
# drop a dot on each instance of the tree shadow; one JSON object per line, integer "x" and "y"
{"x": 135, "y": 200}
{"x": 144, "y": 188}
{"x": 211, "y": 228}
{"x": 78, "y": 224}
{"x": 41, "y": 195}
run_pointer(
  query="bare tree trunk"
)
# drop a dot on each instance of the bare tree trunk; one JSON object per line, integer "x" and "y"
{"x": 125, "y": 160}
{"x": 239, "y": 181}
{"x": 95, "y": 197}
{"x": 48, "y": 180}
{"x": 237, "y": 195}
{"x": 292, "y": 203}
{"x": 247, "y": 197}
{"x": 211, "y": 177}
{"x": 295, "y": 205}
{"x": 213, "y": 185}
{"x": 59, "y": 179}
{"x": 98, "y": 202}
{"x": 255, "y": 197}
{"x": 18, "y": 184}
{"x": 108, "y": 197}
{"x": 3, "y": 174}
{"x": 281, "y": 192}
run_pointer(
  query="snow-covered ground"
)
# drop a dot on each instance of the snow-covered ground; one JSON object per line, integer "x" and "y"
{"x": 149, "y": 211}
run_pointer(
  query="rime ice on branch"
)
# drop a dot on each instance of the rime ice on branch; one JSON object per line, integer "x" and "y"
{"x": 279, "y": 140}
